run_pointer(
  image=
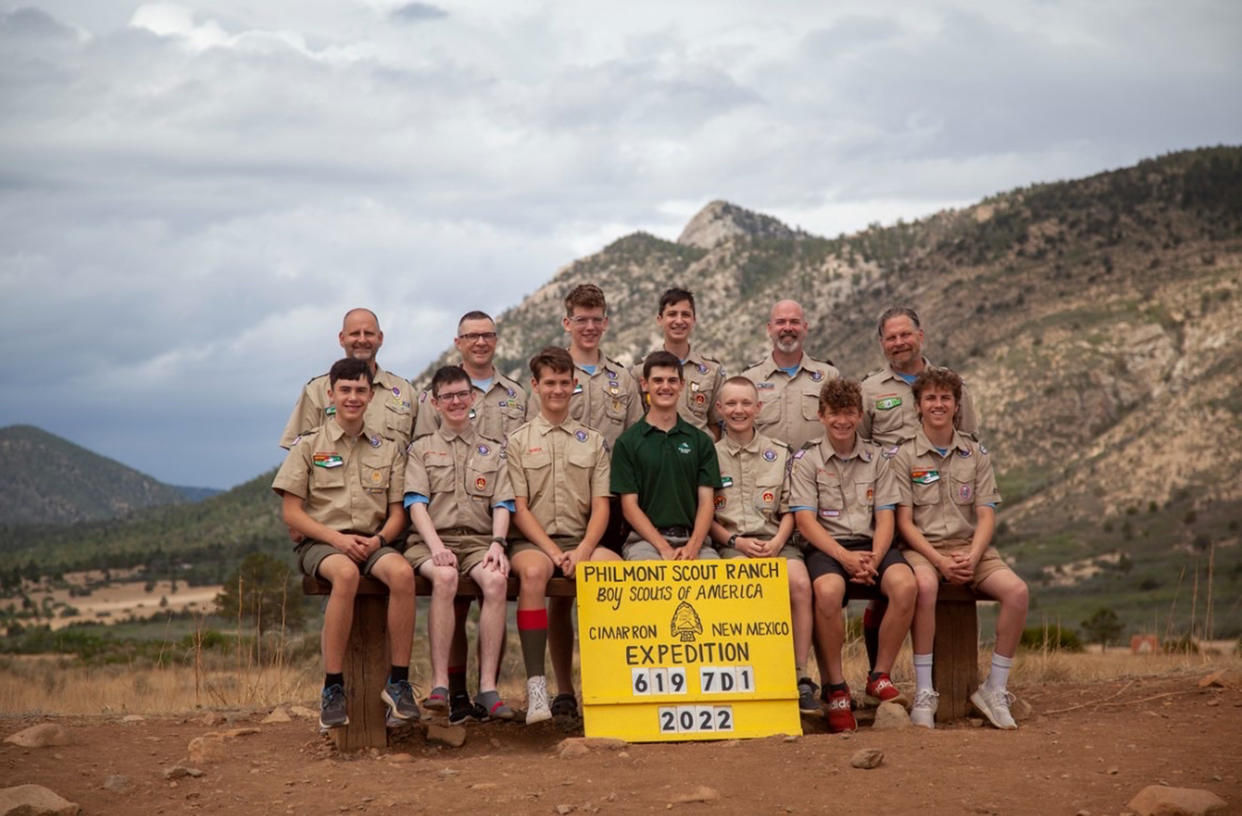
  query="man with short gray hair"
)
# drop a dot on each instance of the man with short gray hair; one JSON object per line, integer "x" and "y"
{"x": 890, "y": 415}
{"x": 788, "y": 380}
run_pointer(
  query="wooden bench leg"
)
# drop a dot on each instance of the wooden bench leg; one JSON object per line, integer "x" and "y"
{"x": 366, "y": 669}
{"x": 955, "y": 668}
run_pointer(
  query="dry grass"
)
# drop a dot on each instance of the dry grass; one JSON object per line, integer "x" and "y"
{"x": 54, "y": 685}
{"x": 57, "y": 685}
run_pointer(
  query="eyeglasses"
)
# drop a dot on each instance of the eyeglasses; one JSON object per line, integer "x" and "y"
{"x": 581, "y": 320}
{"x": 454, "y": 396}
{"x": 474, "y": 337}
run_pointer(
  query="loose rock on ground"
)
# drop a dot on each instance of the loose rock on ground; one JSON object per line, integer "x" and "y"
{"x": 1160, "y": 800}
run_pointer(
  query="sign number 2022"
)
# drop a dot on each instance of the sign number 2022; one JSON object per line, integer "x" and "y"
{"x": 691, "y": 719}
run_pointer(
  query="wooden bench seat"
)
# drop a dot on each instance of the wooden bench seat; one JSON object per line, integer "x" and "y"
{"x": 955, "y": 671}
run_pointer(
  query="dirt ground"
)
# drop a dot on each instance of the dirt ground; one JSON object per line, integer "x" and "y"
{"x": 1119, "y": 737}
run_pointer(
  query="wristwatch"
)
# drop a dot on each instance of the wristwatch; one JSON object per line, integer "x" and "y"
{"x": 383, "y": 541}
{"x": 501, "y": 541}
{"x": 732, "y": 540}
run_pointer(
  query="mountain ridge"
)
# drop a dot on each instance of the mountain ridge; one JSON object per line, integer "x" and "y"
{"x": 1097, "y": 321}
{"x": 45, "y": 478}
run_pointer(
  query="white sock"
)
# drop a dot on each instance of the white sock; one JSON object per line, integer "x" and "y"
{"x": 922, "y": 672}
{"x": 998, "y": 677}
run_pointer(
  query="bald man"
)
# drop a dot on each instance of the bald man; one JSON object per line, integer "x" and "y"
{"x": 788, "y": 380}
{"x": 390, "y": 413}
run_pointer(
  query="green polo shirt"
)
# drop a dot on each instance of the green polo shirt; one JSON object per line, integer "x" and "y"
{"x": 665, "y": 470}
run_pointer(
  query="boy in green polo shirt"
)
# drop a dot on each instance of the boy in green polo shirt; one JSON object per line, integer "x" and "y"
{"x": 666, "y": 473}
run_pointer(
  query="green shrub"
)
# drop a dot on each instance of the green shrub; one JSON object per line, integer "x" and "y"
{"x": 1055, "y": 638}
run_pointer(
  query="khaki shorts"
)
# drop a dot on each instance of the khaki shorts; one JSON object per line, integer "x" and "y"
{"x": 787, "y": 552}
{"x": 566, "y": 544}
{"x": 470, "y": 551}
{"x": 310, "y": 555}
{"x": 990, "y": 564}
{"x": 636, "y": 549}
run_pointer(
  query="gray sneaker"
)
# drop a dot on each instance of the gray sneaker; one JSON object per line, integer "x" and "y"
{"x": 808, "y": 696}
{"x": 332, "y": 713}
{"x": 494, "y": 706}
{"x": 399, "y": 697}
{"x": 994, "y": 704}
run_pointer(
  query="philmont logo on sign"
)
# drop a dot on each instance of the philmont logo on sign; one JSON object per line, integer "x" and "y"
{"x": 686, "y": 623}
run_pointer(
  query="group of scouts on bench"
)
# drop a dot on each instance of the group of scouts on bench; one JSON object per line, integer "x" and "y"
{"x": 879, "y": 482}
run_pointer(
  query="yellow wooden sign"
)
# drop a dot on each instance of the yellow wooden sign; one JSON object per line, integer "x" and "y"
{"x": 686, "y": 650}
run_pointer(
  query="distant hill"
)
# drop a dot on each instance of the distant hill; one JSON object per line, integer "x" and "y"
{"x": 200, "y": 541}
{"x": 1098, "y": 322}
{"x": 45, "y": 479}
{"x": 196, "y": 493}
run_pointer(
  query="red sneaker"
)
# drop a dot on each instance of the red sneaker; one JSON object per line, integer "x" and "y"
{"x": 837, "y": 710}
{"x": 882, "y": 690}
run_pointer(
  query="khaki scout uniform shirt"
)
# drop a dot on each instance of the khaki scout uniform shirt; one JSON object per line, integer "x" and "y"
{"x": 558, "y": 469}
{"x": 344, "y": 483}
{"x": 391, "y": 410}
{"x": 754, "y": 491}
{"x": 704, "y": 375}
{"x": 891, "y": 413}
{"x": 495, "y": 413}
{"x": 790, "y": 410}
{"x": 607, "y": 400}
{"x": 945, "y": 491}
{"x": 464, "y": 476}
{"x": 843, "y": 491}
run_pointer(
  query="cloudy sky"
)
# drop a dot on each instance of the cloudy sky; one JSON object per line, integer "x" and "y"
{"x": 192, "y": 193}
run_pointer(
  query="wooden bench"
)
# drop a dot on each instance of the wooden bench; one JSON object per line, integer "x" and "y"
{"x": 955, "y": 654}
{"x": 366, "y": 657}
{"x": 954, "y": 672}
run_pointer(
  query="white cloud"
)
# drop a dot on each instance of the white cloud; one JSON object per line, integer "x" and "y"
{"x": 193, "y": 193}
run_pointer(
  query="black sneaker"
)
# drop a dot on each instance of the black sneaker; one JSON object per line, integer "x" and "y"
{"x": 461, "y": 710}
{"x": 565, "y": 705}
{"x": 332, "y": 713}
{"x": 807, "y": 702}
{"x": 399, "y": 697}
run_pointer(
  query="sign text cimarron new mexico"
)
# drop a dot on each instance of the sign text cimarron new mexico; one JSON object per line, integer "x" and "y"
{"x": 679, "y": 651}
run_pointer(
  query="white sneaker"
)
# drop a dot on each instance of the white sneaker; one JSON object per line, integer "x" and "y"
{"x": 994, "y": 704}
{"x": 537, "y": 709}
{"x": 923, "y": 712}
